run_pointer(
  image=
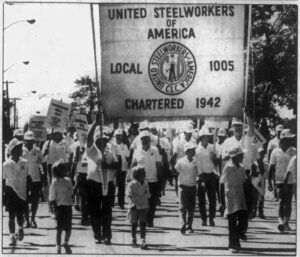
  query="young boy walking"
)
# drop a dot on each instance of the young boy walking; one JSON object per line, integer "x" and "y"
{"x": 15, "y": 174}
{"x": 138, "y": 195}
{"x": 187, "y": 179}
{"x": 60, "y": 198}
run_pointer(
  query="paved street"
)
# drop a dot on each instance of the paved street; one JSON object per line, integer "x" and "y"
{"x": 164, "y": 238}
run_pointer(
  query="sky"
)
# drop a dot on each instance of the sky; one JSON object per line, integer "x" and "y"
{"x": 58, "y": 46}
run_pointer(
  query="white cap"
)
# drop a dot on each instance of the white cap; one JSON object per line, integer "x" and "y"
{"x": 286, "y": 133}
{"x": 188, "y": 128}
{"x": 29, "y": 135}
{"x": 152, "y": 126}
{"x": 204, "y": 132}
{"x": 144, "y": 125}
{"x": 222, "y": 132}
{"x": 118, "y": 132}
{"x": 144, "y": 134}
{"x": 279, "y": 128}
{"x": 57, "y": 130}
{"x": 13, "y": 143}
{"x": 236, "y": 151}
{"x": 236, "y": 122}
{"x": 18, "y": 132}
{"x": 189, "y": 145}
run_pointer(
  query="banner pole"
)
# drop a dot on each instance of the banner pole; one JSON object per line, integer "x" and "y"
{"x": 247, "y": 57}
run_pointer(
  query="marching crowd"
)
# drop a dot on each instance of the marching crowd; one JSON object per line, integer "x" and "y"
{"x": 226, "y": 168}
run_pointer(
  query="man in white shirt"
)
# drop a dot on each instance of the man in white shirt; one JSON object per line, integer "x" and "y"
{"x": 101, "y": 163}
{"x": 148, "y": 156}
{"x": 274, "y": 143}
{"x": 33, "y": 155}
{"x": 123, "y": 151}
{"x": 279, "y": 161}
{"x": 187, "y": 180}
{"x": 207, "y": 169}
{"x": 178, "y": 149}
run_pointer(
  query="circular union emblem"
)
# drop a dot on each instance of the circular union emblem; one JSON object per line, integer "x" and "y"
{"x": 172, "y": 68}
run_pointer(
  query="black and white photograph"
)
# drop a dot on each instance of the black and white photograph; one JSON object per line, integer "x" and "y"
{"x": 142, "y": 127}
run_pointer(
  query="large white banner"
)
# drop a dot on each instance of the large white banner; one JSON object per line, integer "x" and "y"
{"x": 172, "y": 60}
{"x": 57, "y": 115}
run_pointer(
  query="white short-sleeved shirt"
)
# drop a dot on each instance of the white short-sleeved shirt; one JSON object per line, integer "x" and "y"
{"x": 34, "y": 159}
{"x": 292, "y": 169}
{"x": 148, "y": 159}
{"x": 139, "y": 194}
{"x": 60, "y": 191}
{"x": 94, "y": 162}
{"x": 246, "y": 143}
{"x": 281, "y": 161}
{"x": 123, "y": 151}
{"x": 233, "y": 179}
{"x": 57, "y": 151}
{"x": 203, "y": 158}
{"x": 15, "y": 175}
{"x": 187, "y": 172}
{"x": 273, "y": 143}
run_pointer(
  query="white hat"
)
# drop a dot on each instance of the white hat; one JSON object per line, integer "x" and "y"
{"x": 204, "y": 132}
{"x": 118, "y": 132}
{"x": 57, "y": 130}
{"x": 14, "y": 143}
{"x": 189, "y": 145}
{"x": 144, "y": 134}
{"x": 18, "y": 132}
{"x": 144, "y": 125}
{"x": 236, "y": 122}
{"x": 222, "y": 132}
{"x": 152, "y": 126}
{"x": 236, "y": 151}
{"x": 29, "y": 135}
{"x": 188, "y": 128}
{"x": 279, "y": 128}
{"x": 286, "y": 133}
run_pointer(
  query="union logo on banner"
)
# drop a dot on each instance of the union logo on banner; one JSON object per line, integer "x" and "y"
{"x": 172, "y": 68}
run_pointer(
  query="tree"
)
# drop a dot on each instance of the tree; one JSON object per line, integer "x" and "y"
{"x": 85, "y": 97}
{"x": 273, "y": 62}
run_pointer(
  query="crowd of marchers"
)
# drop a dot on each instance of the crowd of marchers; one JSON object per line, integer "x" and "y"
{"x": 130, "y": 169}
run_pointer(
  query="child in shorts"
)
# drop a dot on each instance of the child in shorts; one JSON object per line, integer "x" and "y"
{"x": 138, "y": 195}
{"x": 60, "y": 197}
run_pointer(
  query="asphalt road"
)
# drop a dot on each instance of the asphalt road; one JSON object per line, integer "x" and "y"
{"x": 164, "y": 238}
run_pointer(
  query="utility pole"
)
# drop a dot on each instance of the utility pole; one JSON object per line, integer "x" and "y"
{"x": 15, "y": 109}
{"x": 7, "y": 98}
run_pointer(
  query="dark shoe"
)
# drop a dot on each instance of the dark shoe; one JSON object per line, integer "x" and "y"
{"x": 134, "y": 243}
{"x": 204, "y": 223}
{"x": 243, "y": 237}
{"x": 107, "y": 242}
{"x": 98, "y": 240}
{"x": 13, "y": 241}
{"x": 58, "y": 250}
{"x": 33, "y": 224}
{"x": 211, "y": 222}
{"x": 190, "y": 230}
{"x": 182, "y": 230}
{"x": 27, "y": 225}
{"x": 281, "y": 227}
{"x": 122, "y": 207}
{"x": 21, "y": 234}
{"x": 67, "y": 249}
{"x": 262, "y": 216}
{"x": 144, "y": 246}
{"x": 150, "y": 224}
{"x": 77, "y": 208}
